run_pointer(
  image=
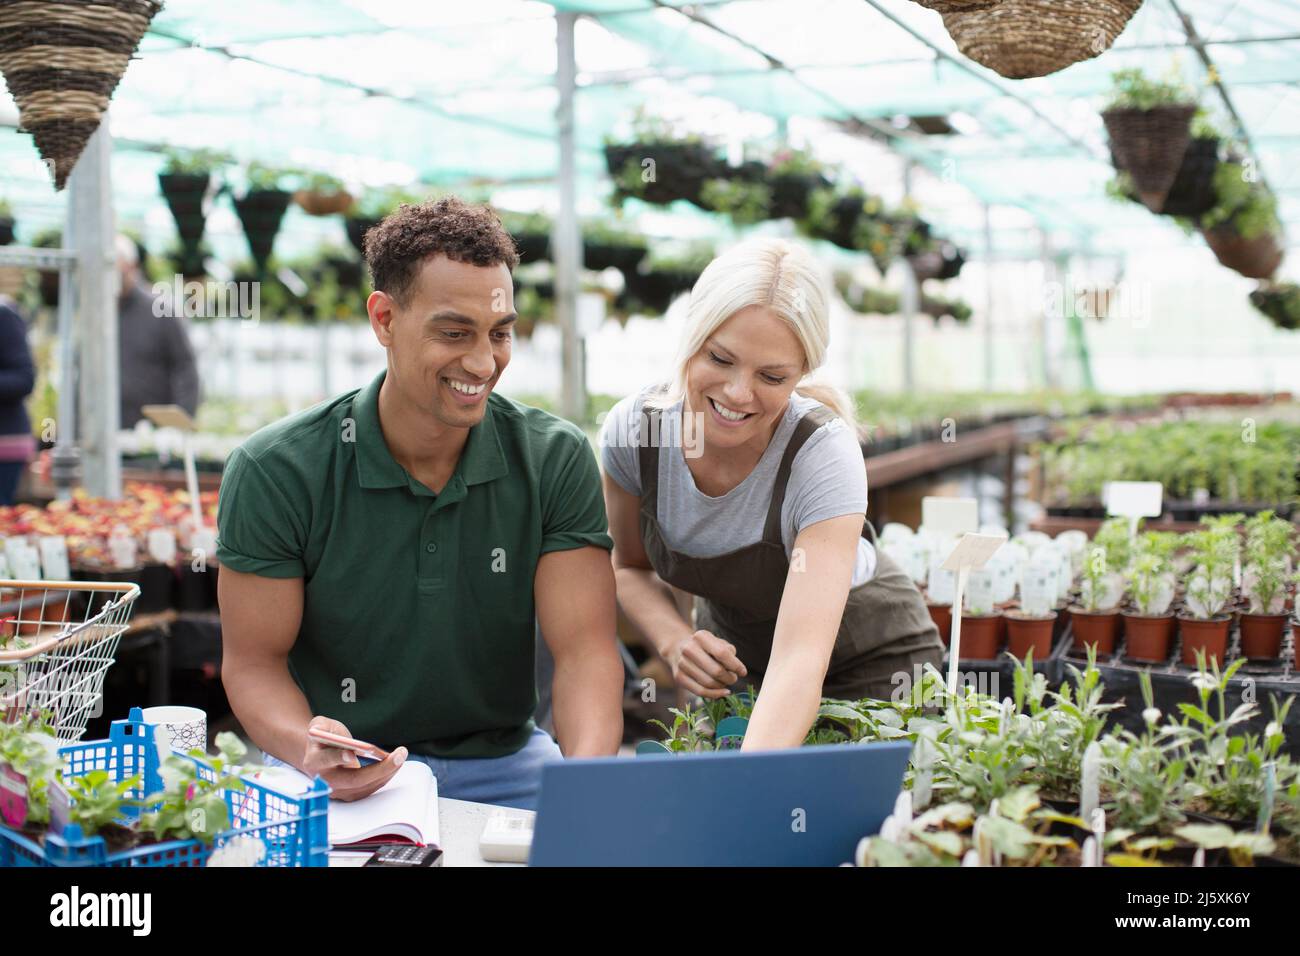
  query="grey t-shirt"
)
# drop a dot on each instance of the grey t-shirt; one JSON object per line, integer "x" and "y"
{"x": 828, "y": 479}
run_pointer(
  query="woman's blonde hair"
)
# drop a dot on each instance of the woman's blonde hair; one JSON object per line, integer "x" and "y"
{"x": 771, "y": 272}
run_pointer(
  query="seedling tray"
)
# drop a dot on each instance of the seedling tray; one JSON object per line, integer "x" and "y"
{"x": 292, "y": 830}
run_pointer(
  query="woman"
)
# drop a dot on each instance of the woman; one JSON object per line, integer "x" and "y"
{"x": 17, "y": 379}
{"x": 741, "y": 486}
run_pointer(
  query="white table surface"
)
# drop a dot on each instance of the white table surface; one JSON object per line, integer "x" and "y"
{"x": 461, "y": 824}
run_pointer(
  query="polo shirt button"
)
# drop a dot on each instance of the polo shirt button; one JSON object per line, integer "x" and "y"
{"x": 431, "y": 547}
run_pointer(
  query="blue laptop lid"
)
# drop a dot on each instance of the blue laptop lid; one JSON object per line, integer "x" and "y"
{"x": 802, "y": 807}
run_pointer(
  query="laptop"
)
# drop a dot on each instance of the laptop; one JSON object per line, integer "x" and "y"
{"x": 807, "y": 806}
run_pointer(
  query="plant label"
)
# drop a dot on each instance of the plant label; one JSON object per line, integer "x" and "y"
{"x": 13, "y": 797}
{"x": 26, "y": 563}
{"x": 973, "y": 550}
{"x": 54, "y": 557}
{"x": 60, "y": 806}
{"x": 952, "y": 516}
{"x": 942, "y": 586}
{"x": 1133, "y": 499}
{"x": 162, "y": 545}
{"x": 979, "y": 592}
{"x": 1038, "y": 590}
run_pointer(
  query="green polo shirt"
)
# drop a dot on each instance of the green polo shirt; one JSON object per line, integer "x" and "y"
{"x": 418, "y": 622}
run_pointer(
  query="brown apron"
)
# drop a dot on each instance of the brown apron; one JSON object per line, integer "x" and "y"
{"x": 886, "y": 628}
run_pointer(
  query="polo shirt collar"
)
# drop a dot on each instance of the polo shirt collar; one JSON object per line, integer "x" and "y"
{"x": 482, "y": 459}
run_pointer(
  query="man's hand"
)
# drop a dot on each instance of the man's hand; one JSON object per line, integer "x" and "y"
{"x": 342, "y": 770}
{"x": 705, "y": 664}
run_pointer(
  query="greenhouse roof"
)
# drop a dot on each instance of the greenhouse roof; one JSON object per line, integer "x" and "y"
{"x": 463, "y": 96}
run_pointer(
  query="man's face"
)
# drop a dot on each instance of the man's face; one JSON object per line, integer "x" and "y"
{"x": 451, "y": 340}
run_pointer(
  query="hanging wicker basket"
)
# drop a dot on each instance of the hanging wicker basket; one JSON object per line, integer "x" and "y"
{"x": 958, "y": 6}
{"x": 1193, "y": 193}
{"x": 62, "y": 60}
{"x": 1257, "y": 258}
{"x": 1150, "y": 145}
{"x": 1023, "y": 38}
{"x": 317, "y": 203}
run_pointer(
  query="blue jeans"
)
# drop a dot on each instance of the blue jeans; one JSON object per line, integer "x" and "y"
{"x": 510, "y": 781}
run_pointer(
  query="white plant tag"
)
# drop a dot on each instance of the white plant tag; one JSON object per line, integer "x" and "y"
{"x": 952, "y": 516}
{"x": 942, "y": 585}
{"x": 162, "y": 545}
{"x": 978, "y": 598}
{"x": 1133, "y": 499}
{"x": 24, "y": 561}
{"x": 1039, "y": 589}
{"x": 1090, "y": 780}
{"x": 123, "y": 550}
{"x": 54, "y": 557}
{"x": 973, "y": 550}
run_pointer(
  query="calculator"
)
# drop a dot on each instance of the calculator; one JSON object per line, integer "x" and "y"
{"x": 404, "y": 855}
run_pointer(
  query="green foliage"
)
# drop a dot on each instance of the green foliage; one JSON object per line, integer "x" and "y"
{"x": 192, "y": 804}
{"x": 30, "y": 747}
{"x": 97, "y": 801}
{"x": 1243, "y": 203}
{"x": 6, "y": 210}
{"x": 1131, "y": 89}
{"x": 194, "y": 161}
{"x": 746, "y": 203}
{"x": 1269, "y": 545}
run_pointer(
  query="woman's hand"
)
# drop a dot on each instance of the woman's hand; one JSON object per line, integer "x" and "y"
{"x": 705, "y": 664}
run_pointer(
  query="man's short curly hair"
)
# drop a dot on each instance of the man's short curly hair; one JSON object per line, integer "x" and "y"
{"x": 461, "y": 231}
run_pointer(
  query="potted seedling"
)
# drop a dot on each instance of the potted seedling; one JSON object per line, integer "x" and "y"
{"x": 1264, "y": 578}
{"x": 6, "y": 222}
{"x": 191, "y": 806}
{"x": 1095, "y": 619}
{"x": 97, "y": 806}
{"x": 261, "y": 210}
{"x": 1149, "y": 123}
{"x": 1204, "y": 625}
{"x": 323, "y": 195}
{"x": 1149, "y": 629}
{"x": 981, "y": 621}
{"x": 1029, "y": 629}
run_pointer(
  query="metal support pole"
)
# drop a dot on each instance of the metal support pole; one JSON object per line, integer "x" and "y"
{"x": 566, "y": 239}
{"x": 1045, "y": 318}
{"x": 911, "y": 301}
{"x": 989, "y": 299}
{"x": 90, "y": 234}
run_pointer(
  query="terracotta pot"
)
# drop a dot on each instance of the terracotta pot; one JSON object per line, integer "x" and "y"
{"x": 1261, "y": 634}
{"x": 1026, "y": 633}
{"x": 981, "y": 637}
{"x": 941, "y": 614}
{"x": 1094, "y": 627}
{"x": 1209, "y": 636}
{"x": 1148, "y": 638}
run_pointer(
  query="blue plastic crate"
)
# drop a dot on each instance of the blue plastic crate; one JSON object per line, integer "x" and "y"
{"x": 293, "y": 829}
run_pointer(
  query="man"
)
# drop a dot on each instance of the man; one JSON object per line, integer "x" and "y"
{"x": 155, "y": 356}
{"x": 383, "y": 553}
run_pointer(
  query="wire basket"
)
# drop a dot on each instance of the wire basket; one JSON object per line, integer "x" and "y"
{"x": 57, "y": 640}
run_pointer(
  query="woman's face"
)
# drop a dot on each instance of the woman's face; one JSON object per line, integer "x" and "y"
{"x": 741, "y": 379}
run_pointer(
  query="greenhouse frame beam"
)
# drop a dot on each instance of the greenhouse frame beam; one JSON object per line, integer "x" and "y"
{"x": 566, "y": 236}
{"x": 1196, "y": 43}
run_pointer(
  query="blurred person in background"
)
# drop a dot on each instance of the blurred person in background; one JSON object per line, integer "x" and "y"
{"x": 155, "y": 355}
{"x": 17, "y": 379}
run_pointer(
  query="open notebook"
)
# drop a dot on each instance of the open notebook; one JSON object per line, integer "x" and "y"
{"x": 404, "y": 810}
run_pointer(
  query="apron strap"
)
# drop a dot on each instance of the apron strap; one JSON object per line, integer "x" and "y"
{"x": 809, "y": 423}
{"x": 648, "y": 456}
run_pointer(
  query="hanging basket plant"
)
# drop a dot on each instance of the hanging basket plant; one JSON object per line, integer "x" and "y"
{"x": 261, "y": 210}
{"x": 1150, "y": 125}
{"x": 606, "y": 246}
{"x": 531, "y": 233}
{"x": 1242, "y": 228}
{"x": 62, "y": 61}
{"x": 1192, "y": 194}
{"x": 660, "y": 166}
{"x": 793, "y": 177}
{"x": 1019, "y": 39}
{"x": 371, "y": 210}
{"x": 48, "y": 282}
{"x": 184, "y": 181}
{"x": 1280, "y": 302}
{"x": 663, "y": 277}
{"x": 6, "y": 224}
{"x": 834, "y": 215}
{"x": 323, "y": 195}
